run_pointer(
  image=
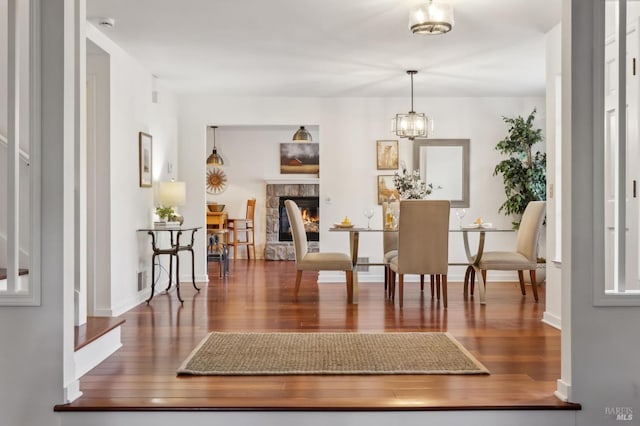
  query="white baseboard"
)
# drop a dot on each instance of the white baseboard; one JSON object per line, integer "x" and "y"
{"x": 563, "y": 390}
{"x": 552, "y": 320}
{"x": 376, "y": 275}
{"x": 97, "y": 351}
{"x": 72, "y": 391}
{"x": 199, "y": 278}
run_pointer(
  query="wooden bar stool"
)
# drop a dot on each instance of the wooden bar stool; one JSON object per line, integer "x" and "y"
{"x": 241, "y": 231}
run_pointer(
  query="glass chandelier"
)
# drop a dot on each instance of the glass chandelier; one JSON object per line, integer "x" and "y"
{"x": 431, "y": 18}
{"x": 412, "y": 124}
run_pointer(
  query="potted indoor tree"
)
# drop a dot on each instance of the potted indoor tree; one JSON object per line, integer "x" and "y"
{"x": 524, "y": 172}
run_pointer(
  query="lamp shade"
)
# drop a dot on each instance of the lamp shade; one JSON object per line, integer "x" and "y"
{"x": 431, "y": 18}
{"x": 411, "y": 125}
{"x": 214, "y": 159}
{"x": 302, "y": 135}
{"x": 172, "y": 194}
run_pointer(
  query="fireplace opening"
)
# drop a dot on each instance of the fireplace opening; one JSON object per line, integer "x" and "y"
{"x": 310, "y": 209}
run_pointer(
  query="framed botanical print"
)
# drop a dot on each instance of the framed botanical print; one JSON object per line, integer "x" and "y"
{"x": 145, "y": 159}
{"x": 386, "y": 189}
{"x": 387, "y": 155}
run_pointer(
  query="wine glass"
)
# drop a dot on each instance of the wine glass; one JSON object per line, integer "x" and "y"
{"x": 368, "y": 213}
{"x": 460, "y": 213}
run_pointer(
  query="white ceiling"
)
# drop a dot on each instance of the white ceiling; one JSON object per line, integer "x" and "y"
{"x": 330, "y": 48}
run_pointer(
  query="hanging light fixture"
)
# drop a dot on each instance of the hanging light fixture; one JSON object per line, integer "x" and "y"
{"x": 431, "y": 18}
{"x": 214, "y": 159}
{"x": 302, "y": 135}
{"x": 412, "y": 124}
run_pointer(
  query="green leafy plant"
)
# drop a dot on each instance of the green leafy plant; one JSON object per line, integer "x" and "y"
{"x": 165, "y": 212}
{"x": 524, "y": 173}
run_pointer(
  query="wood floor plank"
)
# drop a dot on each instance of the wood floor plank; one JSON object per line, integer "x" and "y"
{"x": 506, "y": 335}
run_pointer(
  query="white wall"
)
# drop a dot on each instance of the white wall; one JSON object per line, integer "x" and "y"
{"x": 133, "y": 111}
{"x": 552, "y": 314}
{"x": 348, "y": 130}
{"x": 602, "y": 370}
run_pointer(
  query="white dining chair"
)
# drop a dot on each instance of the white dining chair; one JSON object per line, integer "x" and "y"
{"x": 306, "y": 261}
{"x": 525, "y": 256}
{"x": 423, "y": 244}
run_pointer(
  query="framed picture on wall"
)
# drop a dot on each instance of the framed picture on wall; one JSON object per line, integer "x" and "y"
{"x": 387, "y": 155}
{"x": 299, "y": 158}
{"x": 386, "y": 189}
{"x": 145, "y": 160}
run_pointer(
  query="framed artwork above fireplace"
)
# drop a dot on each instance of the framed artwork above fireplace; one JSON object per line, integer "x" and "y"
{"x": 299, "y": 158}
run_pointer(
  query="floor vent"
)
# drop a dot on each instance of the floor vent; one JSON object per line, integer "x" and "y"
{"x": 142, "y": 280}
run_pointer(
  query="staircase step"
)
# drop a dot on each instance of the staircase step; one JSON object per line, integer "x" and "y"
{"x": 93, "y": 329}
{"x": 3, "y": 273}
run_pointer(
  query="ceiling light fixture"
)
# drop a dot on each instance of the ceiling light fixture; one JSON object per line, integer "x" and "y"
{"x": 214, "y": 159}
{"x": 412, "y": 124}
{"x": 431, "y": 18}
{"x": 302, "y": 135}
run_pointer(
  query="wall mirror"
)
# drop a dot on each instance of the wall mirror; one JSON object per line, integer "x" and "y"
{"x": 445, "y": 164}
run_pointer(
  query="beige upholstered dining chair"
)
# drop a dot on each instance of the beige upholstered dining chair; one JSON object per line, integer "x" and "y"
{"x": 306, "y": 261}
{"x": 390, "y": 245}
{"x": 423, "y": 244}
{"x": 389, "y": 239}
{"x": 526, "y": 253}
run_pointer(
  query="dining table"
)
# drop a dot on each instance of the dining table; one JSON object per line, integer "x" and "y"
{"x": 473, "y": 257}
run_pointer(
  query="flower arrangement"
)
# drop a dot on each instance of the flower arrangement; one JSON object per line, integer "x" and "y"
{"x": 410, "y": 186}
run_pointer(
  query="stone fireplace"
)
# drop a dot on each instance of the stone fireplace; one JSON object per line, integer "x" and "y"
{"x": 305, "y": 192}
{"x": 310, "y": 209}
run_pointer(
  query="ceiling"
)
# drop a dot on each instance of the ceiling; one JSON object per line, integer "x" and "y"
{"x": 333, "y": 48}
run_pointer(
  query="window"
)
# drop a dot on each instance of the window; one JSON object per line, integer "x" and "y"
{"x": 620, "y": 148}
{"x": 18, "y": 200}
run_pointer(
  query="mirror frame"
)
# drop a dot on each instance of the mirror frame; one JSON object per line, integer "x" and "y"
{"x": 464, "y": 143}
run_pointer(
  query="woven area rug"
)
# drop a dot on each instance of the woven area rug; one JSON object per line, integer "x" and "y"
{"x": 330, "y": 353}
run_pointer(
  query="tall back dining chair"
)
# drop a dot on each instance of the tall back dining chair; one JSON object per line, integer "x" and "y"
{"x": 306, "y": 261}
{"x": 241, "y": 231}
{"x": 389, "y": 239}
{"x": 526, "y": 253}
{"x": 423, "y": 244}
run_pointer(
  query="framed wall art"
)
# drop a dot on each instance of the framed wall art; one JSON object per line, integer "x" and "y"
{"x": 145, "y": 161}
{"x": 387, "y": 155}
{"x": 299, "y": 158}
{"x": 216, "y": 180}
{"x": 386, "y": 189}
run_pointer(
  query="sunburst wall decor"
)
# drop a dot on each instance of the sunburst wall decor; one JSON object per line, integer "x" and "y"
{"x": 216, "y": 180}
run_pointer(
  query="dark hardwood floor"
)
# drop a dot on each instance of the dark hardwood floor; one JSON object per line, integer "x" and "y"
{"x": 506, "y": 335}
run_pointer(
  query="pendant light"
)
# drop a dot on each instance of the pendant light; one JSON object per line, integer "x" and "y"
{"x": 214, "y": 159}
{"x": 412, "y": 124}
{"x": 302, "y": 135}
{"x": 431, "y": 18}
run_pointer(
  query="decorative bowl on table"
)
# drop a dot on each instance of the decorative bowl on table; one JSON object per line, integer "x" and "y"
{"x": 343, "y": 225}
{"x": 215, "y": 208}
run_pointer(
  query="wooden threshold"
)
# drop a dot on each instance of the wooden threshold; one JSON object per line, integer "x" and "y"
{"x": 506, "y": 335}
